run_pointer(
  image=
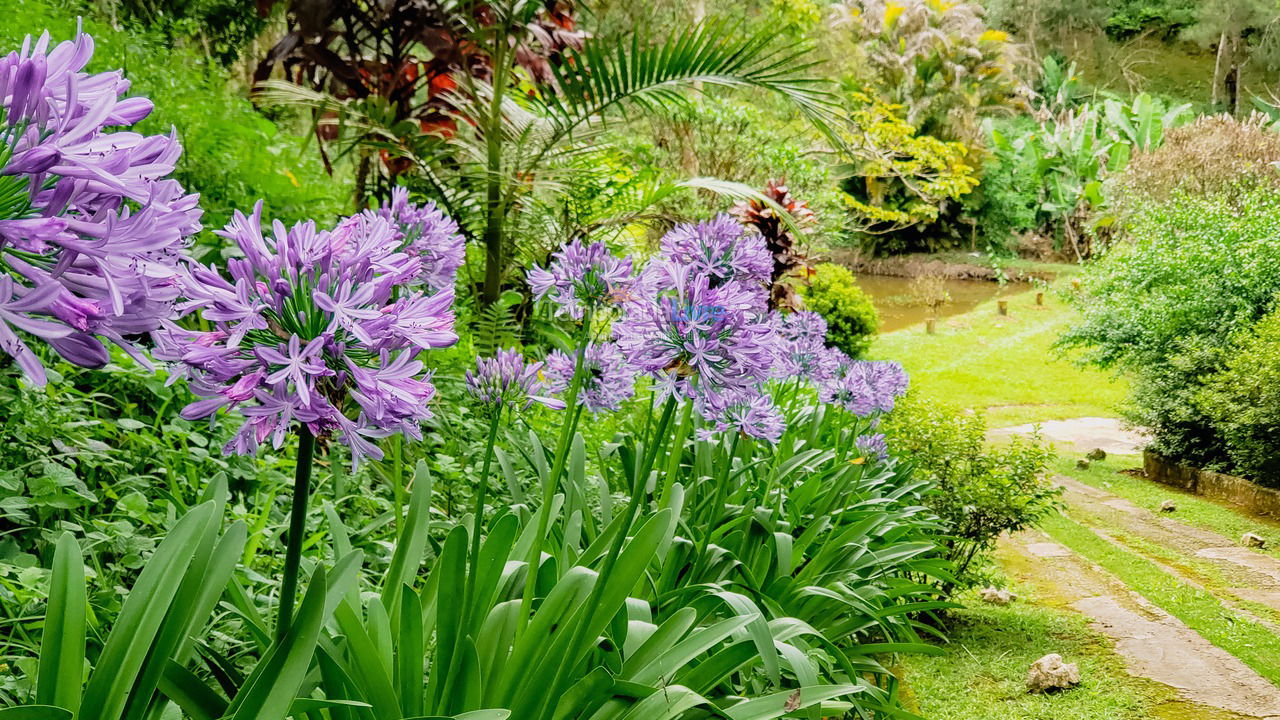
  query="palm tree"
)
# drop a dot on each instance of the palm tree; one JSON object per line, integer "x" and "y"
{"x": 525, "y": 102}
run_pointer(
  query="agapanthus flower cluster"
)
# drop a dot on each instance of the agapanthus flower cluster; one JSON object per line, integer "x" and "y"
{"x": 508, "y": 380}
{"x": 721, "y": 249}
{"x": 318, "y": 327}
{"x": 752, "y": 414}
{"x": 696, "y": 338}
{"x": 874, "y": 445}
{"x": 865, "y": 388}
{"x": 91, "y": 228}
{"x": 581, "y": 276}
{"x": 607, "y": 379}
{"x": 429, "y": 234}
{"x": 800, "y": 347}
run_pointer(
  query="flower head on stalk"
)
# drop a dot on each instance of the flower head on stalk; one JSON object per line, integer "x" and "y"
{"x": 800, "y": 349}
{"x": 607, "y": 379}
{"x": 428, "y": 234}
{"x": 751, "y": 413}
{"x": 722, "y": 249}
{"x": 694, "y": 337}
{"x": 874, "y": 445}
{"x": 506, "y": 380}
{"x": 582, "y": 276}
{"x": 92, "y": 231}
{"x": 865, "y": 388}
{"x": 315, "y": 327}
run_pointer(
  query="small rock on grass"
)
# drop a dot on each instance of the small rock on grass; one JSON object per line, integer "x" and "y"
{"x": 1082, "y": 464}
{"x": 1168, "y": 506}
{"x": 1096, "y": 454}
{"x": 1050, "y": 673}
{"x": 996, "y": 596}
{"x": 1253, "y": 540}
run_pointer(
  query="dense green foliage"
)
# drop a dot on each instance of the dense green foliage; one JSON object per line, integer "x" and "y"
{"x": 852, "y": 321}
{"x": 1241, "y": 404}
{"x": 1166, "y": 303}
{"x": 979, "y": 492}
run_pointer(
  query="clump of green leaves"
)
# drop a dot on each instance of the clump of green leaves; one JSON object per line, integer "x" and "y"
{"x": 1243, "y": 402}
{"x": 980, "y": 492}
{"x": 852, "y": 321}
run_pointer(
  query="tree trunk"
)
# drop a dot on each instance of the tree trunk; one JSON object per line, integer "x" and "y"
{"x": 1232, "y": 79}
{"x": 1218, "y": 74}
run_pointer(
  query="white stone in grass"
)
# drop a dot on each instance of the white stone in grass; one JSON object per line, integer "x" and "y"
{"x": 996, "y": 596}
{"x": 1050, "y": 673}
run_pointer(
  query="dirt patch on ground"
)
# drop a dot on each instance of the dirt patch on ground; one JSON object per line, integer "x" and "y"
{"x": 1154, "y": 644}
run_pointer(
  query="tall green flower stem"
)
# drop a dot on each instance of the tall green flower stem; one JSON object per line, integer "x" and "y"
{"x": 677, "y": 452}
{"x": 297, "y": 527}
{"x": 716, "y": 510}
{"x": 584, "y": 619}
{"x": 482, "y": 491}
{"x": 567, "y": 430}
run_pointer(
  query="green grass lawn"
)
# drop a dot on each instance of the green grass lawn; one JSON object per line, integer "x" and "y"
{"x": 982, "y": 675}
{"x": 1005, "y": 365}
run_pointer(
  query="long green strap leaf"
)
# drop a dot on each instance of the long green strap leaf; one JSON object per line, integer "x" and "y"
{"x": 62, "y": 647}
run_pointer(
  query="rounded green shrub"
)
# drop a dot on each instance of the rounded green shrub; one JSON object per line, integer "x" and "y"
{"x": 1243, "y": 402}
{"x": 852, "y": 320}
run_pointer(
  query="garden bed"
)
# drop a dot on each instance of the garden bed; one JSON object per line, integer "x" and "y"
{"x": 1214, "y": 485}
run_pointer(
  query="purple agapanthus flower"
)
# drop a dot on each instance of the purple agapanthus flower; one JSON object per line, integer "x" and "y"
{"x": 693, "y": 337}
{"x": 874, "y": 445}
{"x": 751, "y": 413}
{"x": 607, "y": 379}
{"x": 506, "y": 380}
{"x": 318, "y": 327}
{"x": 92, "y": 231}
{"x": 865, "y": 388}
{"x": 430, "y": 235}
{"x": 580, "y": 276}
{"x": 799, "y": 346}
{"x": 722, "y": 249}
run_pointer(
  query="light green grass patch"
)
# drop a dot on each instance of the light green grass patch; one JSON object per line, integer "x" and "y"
{"x": 982, "y": 675}
{"x": 1005, "y": 365}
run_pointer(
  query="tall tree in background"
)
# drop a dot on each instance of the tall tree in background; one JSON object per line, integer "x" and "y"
{"x": 481, "y": 103}
{"x": 1243, "y": 30}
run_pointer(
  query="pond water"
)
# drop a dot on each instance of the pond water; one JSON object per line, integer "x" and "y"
{"x": 893, "y": 299}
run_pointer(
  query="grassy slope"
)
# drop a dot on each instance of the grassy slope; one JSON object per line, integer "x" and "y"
{"x": 1005, "y": 365}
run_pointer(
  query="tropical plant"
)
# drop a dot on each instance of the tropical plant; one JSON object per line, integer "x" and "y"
{"x": 1072, "y": 153}
{"x": 790, "y": 260}
{"x": 503, "y": 145}
{"x": 852, "y": 320}
{"x": 938, "y": 61}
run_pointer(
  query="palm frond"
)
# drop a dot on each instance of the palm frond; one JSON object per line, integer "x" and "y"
{"x": 603, "y": 76}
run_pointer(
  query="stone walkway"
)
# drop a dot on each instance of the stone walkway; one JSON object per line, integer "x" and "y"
{"x": 1153, "y": 643}
{"x": 1083, "y": 434}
